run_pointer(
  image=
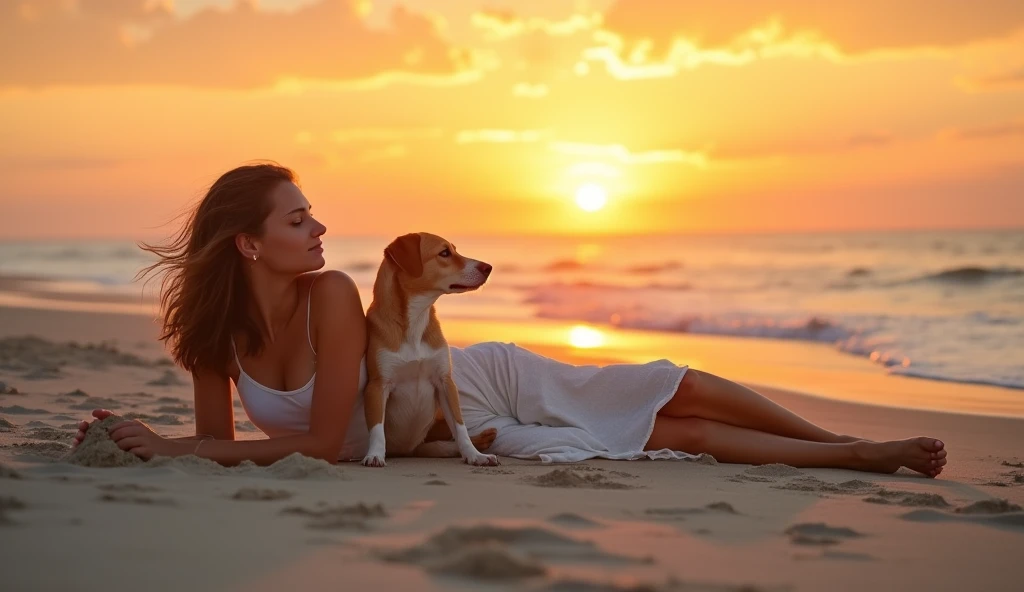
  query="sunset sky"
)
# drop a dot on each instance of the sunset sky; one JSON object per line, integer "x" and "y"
{"x": 488, "y": 116}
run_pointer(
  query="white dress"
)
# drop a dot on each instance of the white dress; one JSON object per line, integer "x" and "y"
{"x": 542, "y": 408}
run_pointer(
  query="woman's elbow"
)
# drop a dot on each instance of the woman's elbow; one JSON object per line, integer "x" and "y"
{"x": 324, "y": 449}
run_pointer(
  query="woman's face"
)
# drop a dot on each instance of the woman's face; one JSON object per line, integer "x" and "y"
{"x": 291, "y": 235}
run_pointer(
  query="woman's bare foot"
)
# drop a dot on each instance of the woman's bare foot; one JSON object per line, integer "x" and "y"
{"x": 924, "y": 455}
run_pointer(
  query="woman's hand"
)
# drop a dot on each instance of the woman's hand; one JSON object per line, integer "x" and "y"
{"x": 138, "y": 438}
{"x": 83, "y": 426}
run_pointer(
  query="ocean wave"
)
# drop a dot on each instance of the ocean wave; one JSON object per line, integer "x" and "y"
{"x": 972, "y": 274}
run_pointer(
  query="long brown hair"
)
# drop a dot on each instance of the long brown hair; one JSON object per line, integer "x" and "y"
{"x": 204, "y": 299}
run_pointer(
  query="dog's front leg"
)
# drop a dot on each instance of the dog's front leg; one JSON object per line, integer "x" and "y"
{"x": 375, "y": 398}
{"x": 449, "y": 403}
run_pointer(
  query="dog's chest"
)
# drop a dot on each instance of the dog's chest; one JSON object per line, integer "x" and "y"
{"x": 414, "y": 367}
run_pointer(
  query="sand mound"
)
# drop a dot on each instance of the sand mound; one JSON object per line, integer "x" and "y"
{"x": 135, "y": 498}
{"x": 297, "y": 466}
{"x": 98, "y": 450}
{"x": 50, "y": 450}
{"x": 575, "y": 478}
{"x": 773, "y": 470}
{"x": 814, "y": 485}
{"x": 487, "y": 563}
{"x": 722, "y": 507}
{"x": 258, "y": 494}
{"x": 97, "y": 403}
{"x": 41, "y": 357}
{"x": 819, "y": 533}
{"x": 51, "y": 434}
{"x": 703, "y": 459}
{"x": 19, "y": 410}
{"x": 989, "y": 506}
{"x": 4, "y": 424}
{"x": 352, "y": 517}
{"x": 906, "y": 498}
{"x": 436, "y": 482}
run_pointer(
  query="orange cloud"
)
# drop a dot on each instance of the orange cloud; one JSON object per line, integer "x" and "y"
{"x": 1011, "y": 80}
{"x": 1008, "y": 129}
{"x": 855, "y": 26}
{"x": 99, "y": 42}
{"x": 504, "y": 25}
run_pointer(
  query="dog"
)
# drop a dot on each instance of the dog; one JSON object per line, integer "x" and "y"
{"x": 409, "y": 364}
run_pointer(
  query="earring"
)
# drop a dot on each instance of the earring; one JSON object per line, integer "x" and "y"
{"x": 254, "y": 256}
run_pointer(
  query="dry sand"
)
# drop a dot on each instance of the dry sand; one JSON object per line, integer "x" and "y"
{"x": 428, "y": 524}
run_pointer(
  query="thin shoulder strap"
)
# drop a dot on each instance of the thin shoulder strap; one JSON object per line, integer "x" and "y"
{"x": 309, "y": 308}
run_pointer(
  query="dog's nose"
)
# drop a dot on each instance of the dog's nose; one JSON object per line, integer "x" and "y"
{"x": 485, "y": 269}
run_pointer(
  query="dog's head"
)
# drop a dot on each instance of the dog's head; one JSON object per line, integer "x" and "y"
{"x": 428, "y": 263}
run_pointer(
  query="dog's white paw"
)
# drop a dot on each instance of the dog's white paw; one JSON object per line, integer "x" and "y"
{"x": 372, "y": 460}
{"x": 482, "y": 460}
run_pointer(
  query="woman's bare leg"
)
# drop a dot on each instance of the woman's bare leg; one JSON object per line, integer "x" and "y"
{"x": 731, "y": 444}
{"x": 707, "y": 396}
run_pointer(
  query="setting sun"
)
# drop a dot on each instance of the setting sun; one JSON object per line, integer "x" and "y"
{"x": 585, "y": 337}
{"x": 591, "y": 197}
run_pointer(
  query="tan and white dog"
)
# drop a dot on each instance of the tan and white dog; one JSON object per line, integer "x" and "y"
{"x": 409, "y": 365}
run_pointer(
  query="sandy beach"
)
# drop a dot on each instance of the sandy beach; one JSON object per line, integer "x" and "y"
{"x": 190, "y": 524}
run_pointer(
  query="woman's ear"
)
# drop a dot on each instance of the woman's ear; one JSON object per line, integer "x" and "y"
{"x": 247, "y": 247}
{"x": 404, "y": 252}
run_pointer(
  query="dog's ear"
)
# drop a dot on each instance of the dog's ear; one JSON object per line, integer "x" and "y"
{"x": 404, "y": 252}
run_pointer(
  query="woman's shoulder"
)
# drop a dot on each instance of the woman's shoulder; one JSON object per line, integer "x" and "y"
{"x": 329, "y": 285}
{"x": 331, "y": 292}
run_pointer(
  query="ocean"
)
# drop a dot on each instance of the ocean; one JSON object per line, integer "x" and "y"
{"x": 937, "y": 305}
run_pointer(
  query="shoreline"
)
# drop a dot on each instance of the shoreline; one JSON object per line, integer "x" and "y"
{"x": 813, "y": 370}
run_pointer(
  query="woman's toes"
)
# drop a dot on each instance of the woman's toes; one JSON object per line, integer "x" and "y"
{"x": 941, "y": 454}
{"x": 941, "y": 462}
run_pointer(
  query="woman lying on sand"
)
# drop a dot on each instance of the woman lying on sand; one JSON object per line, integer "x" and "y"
{"x": 242, "y": 301}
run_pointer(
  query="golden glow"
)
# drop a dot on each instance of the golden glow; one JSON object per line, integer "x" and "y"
{"x": 469, "y": 119}
{"x": 591, "y": 197}
{"x": 585, "y": 337}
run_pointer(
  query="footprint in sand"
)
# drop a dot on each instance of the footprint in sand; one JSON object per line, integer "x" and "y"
{"x": 682, "y": 513}
{"x": 19, "y": 410}
{"x": 907, "y": 498}
{"x": 245, "y": 426}
{"x": 819, "y": 534}
{"x": 169, "y": 378}
{"x": 436, "y": 482}
{"x": 8, "y": 503}
{"x": 175, "y": 409}
{"x": 126, "y": 488}
{"x": 1007, "y": 521}
{"x": 97, "y": 403}
{"x": 497, "y": 553}
{"x": 7, "y": 472}
{"x": 134, "y": 498}
{"x": 352, "y": 517}
{"x": 989, "y": 506}
{"x": 572, "y": 520}
{"x": 575, "y": 478}
{"x": 260, "y": 494}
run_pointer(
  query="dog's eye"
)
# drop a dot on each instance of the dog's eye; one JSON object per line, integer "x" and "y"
{"x": 445, "y": 253}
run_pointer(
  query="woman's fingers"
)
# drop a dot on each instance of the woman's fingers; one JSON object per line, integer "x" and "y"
{"x": 102, "y": 413}
{"x": 130, "y": 442}
{"x": 124, "y": 430}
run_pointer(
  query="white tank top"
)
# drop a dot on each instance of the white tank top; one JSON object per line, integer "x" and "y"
{"x": 286, "y": 413}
